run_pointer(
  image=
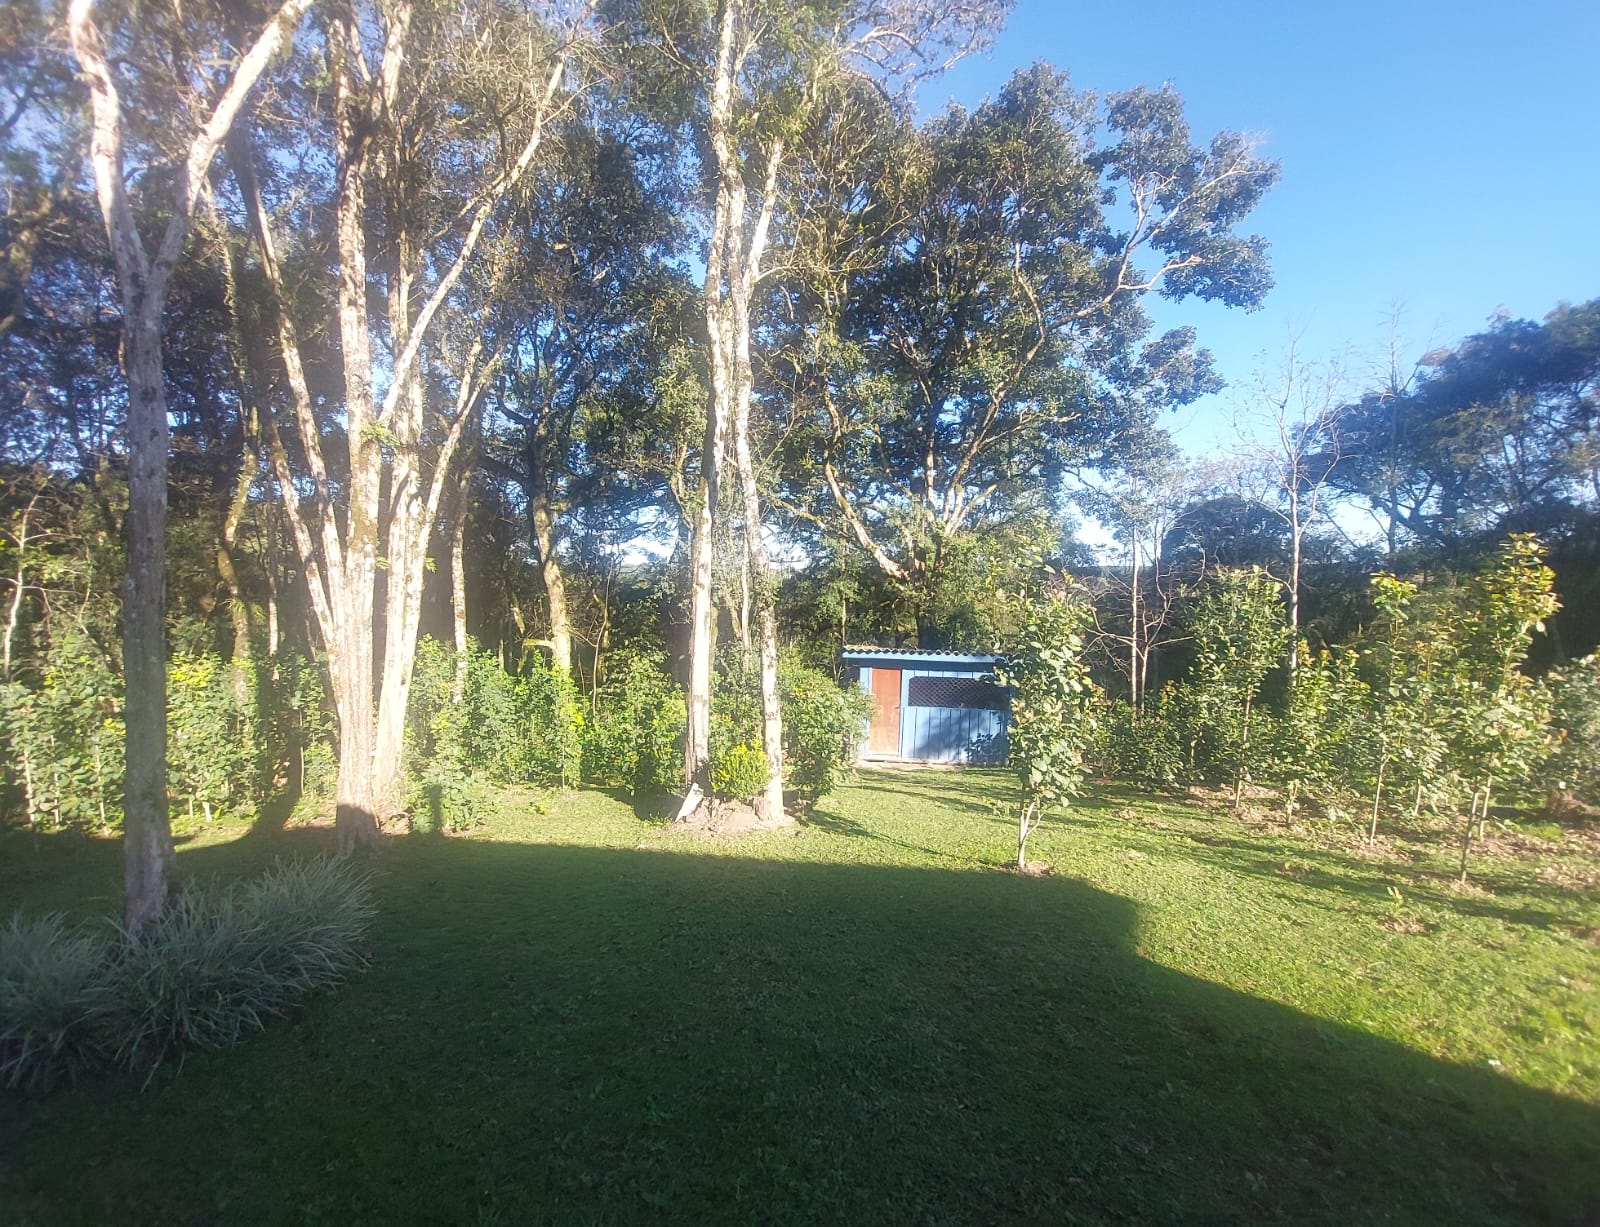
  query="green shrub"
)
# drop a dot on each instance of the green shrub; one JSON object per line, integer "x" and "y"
{"x": 822, "y": 721}
{"x": 300, "y": 743}
{"x": 550, "y": 713}
{"x": 1142, "y": 745}
{"x": 213, "y": 741}
{"x": 62, "y": 736}
{"x": 218, "y": 963}
{"x": 56, "y": 1001}
{"x": 1574, "y": 759}
{"x": 504, "y": 730}
{"x": 739, "y": 771}
{"x": 635, "y": 740}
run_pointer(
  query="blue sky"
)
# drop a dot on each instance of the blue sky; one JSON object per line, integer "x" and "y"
{"x": 1442, "y": 157}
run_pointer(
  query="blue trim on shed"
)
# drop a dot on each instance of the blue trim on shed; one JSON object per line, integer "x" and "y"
{"x": 967, "y": 735}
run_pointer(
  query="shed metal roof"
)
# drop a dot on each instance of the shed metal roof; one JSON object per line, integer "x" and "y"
{"x": 862, "y": 653}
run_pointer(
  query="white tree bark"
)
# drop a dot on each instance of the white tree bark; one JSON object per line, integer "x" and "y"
{"x": 733, "y": 269}
{"x": 727, "y": 213}
{"x": 143, "y": 283}
{"x": 401, "y": 463}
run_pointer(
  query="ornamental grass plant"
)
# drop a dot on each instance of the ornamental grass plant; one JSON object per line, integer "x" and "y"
{"x": 222, "y": 960}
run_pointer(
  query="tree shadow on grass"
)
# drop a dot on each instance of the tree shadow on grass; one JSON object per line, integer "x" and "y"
{"x": 571, "y": 1034}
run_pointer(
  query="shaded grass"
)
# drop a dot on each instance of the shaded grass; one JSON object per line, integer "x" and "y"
{"x": 575, "y": 1016}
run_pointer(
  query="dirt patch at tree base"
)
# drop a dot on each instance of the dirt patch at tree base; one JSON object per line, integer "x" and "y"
{"x": 729, "y": 820}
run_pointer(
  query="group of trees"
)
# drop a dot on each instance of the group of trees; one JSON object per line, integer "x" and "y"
{"x": 1427, "y": 704}
{"x": 326, "y": 324}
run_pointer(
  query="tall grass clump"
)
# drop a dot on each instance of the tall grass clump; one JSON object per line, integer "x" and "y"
{"x": 227, "y": 957}
{"x": 221, "y": 960}
{"x": 57, "y": 1002}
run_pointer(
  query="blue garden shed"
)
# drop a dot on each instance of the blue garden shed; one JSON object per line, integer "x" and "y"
{"x": 932, "y": 707}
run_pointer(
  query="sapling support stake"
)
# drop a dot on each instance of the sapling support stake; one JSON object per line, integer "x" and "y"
{"x": 1377, "y": 799}
{"x": 1473, "y": 816}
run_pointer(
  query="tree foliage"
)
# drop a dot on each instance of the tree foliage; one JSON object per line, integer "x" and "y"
{"x": 1053, "y": 708}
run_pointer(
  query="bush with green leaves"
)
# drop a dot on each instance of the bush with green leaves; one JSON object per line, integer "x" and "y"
{"x": 298, "y": 752}
{"x": 1572, "y": 763}
{"x": 822, "y": 721}
{"x": 550, "y": 714}
{"x": 62, "y": 735}
{"x": 213, "y": 738}
{"x": 822, "y": 727}
{"x": 635, "y": 738}
{"x": 739, "y": 772}
{"x": 219, "y": 962}
{"x": 456, "y": 752}
{"x": 1321, "y": 746}
{"x": 1239, "y": 629}
{"x": 501, "y": 730}
{"x": 1141, "y": 744}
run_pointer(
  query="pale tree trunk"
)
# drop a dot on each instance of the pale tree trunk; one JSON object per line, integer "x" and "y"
{"x": 1296, "y": 540}
{"x": 727, "y": 215}
{"x": 1133, "y": 625}
{"x": 398, "y": 474}
{"x": 356, "y": 817}
{"x": 410, "y": 528}
{"x": 733, "y": 269}
{"x": 769, "y": 805}
{"x": 541, "y": 516}
{"x": 270, "y": 552}
{"x": 143, "y": 283}
{"x": 147, "y": 832}
{"x": 758, "y": 584}
{"x": 19, "y": 586}
{"x": 458, "y": 600}
{"x": 227, "y": 569}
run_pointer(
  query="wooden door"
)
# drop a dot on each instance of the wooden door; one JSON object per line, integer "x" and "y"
{"x": 883, "y": 734}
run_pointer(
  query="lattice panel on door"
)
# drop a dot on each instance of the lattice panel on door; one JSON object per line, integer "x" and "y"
{"x": 969, "y": 693}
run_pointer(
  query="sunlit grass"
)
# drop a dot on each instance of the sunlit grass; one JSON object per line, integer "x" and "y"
{"x": 578, "y": 1015}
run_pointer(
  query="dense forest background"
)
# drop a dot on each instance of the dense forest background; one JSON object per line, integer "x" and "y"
{"x": 633, "y": 358}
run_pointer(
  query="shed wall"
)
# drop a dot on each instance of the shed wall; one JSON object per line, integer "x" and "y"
{"x": 945, "y": 734}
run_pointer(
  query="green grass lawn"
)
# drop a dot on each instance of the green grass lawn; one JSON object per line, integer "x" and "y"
{"x": 575, "y": 1016}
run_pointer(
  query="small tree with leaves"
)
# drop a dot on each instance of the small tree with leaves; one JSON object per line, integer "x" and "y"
{"x": 1571, "y": 767}
{"x": 1053, "y": 705}
{"x": 1320, "y": 742}
{"x": 1404, "y": 743}
{"x": 1237, "y": 624}
{"x": 1496, "y": 714}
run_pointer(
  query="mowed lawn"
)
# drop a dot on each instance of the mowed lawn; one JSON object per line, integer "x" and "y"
{"x": 575, "y": 1016}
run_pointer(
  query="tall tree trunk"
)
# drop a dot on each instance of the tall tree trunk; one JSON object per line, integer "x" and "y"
{"x": 228, "y": 571}
{"x": 142, "y": 283}
{"x": 19, "y": 585}
{"x": 1296, "y": 542}
{"x": 147, "y": 828}
{"x": 1134, "y": 694}
{"x": 727, "y": 215}
{"x": 270, "y": 566}
{"x": 541, "y": 518}
{"x": 733, "y": 270}
{"x": 769, "y": 805}
{"x": 458, "y": 600}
